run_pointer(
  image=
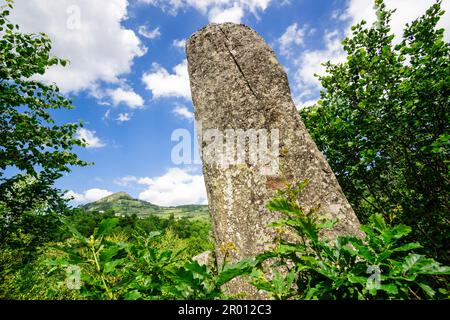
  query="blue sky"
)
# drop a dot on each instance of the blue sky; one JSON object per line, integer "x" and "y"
{"x": 129, "y": 82}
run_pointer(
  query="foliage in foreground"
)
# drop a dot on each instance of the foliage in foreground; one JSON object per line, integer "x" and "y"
{"x": 112, "y": 268}
{"x": 383, "y": 124}
{"x": 34, "y": 149}
{"x": 150, "y": 265}
{"x": 45, "y": 273}
{"x": 379, "y": 266}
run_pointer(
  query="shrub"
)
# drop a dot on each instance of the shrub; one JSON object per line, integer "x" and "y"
{"x": 378, "y": 266}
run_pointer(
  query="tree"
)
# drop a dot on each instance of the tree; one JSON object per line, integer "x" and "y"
{"x": 383, "y": 124}
{"x": 34, "y": 150}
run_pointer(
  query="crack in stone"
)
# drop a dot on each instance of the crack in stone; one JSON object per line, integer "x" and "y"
{"x": 238, "y": 66}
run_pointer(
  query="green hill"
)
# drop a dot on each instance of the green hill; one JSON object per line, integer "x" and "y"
{"x": 123, "y": 204}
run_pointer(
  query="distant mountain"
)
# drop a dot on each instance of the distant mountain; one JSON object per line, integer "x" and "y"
{"x": 123, "y": 204}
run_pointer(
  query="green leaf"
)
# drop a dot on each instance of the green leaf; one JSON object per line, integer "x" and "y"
{"x": 59, "y": 261}
{"x": 111, "y": 265}
{"x": 107, "y": 254}
{"x": 378, "y": 222}
{"x": 411, "y": 262}
{"x": 395, "y": 233}
{"x": 106, "y": 226}
{"x": 195, "y": 267}
{"x": 75, "y": 233}
{"x": 418, "y": 264}
{"x": 280, "y": 204}
{"x": 407, "y": 247}
{"x": 132, "y": 295}
{"x": 427, "y": 289}
{"x": 389, "y": 288}
{"x": 363, "y": 251}
{"x": 229, "y": 272}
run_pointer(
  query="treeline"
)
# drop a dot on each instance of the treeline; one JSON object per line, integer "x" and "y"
{"x": 383, "y": 123}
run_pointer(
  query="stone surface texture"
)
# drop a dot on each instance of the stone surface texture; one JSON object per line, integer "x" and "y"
{"x": 237, "y": 83}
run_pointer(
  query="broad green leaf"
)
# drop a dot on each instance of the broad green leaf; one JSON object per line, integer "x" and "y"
{"x": 229, "y": 272}
{"x": 111, "y": 265}
{"x": 407, "y": 247}
{"x": 106, "y": 226}
{"x": 132, "y": 295}
{"x": 389, "y": 288}
{"x": 389, "y": 235}
{"x": 427, "y": 289}
{"x": 107, "y": 254}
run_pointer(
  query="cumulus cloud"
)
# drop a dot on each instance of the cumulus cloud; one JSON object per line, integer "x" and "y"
{"x": 164, "y": 84}
{"x": 88, "y": 33}
{"x": 232, "y": 14}
{"x": 406, "y": 11}
{"x": 149, "y": 34}
{"x": 291, "y": 37}
{"x": 179, "y": 43}
{"x": 310, "y": 62}
{"x": 130, "y": 180}
{"x": 145, "y": 180}
{"x": 125, "y": 181}
{"x": 175, "y": 187}
{"x": 300, "y": 103}
{"x": 89, "y": 195}
{"x": 215, "y": 10}
{"x": 90, "y": 138}
{"x": 183, "y": 112}
{"x": 127, "y": 97}
{"x": 123, "y": 117}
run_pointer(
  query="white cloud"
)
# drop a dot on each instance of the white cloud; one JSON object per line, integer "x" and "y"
{"x": 220, "y": 15}
{"x": 149, "y": 34}
{"x": 300, "y": 103}
{"x": 88, "y": 33}
{"x": 130, "y": 180}
{"x": 125, "y": 181}
{"x": 183, "y": 112}
{"x": 145, "y": 180}
{"x": 179, "y": 43}
{"x": 175, "y": 187}
{"x": 164, "y": 84}
{"x": 89, "y": 195}
{"x": 123, "y": 117}
{"x": 406, "y": 11}
{"x": 90, "y": 138}
{"x": 310, "y": 63}
{"x": 216, "y": 10}
{"x": 292, "y": 36}
{"x": 128, "y": 97}
{"x": 106, "y": 115}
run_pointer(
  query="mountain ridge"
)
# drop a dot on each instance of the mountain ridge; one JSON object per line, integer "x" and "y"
{"x": 124, "y": 204}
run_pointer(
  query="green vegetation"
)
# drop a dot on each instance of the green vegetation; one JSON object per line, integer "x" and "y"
{"x": 119, "y": 257}
{"x": 34, "y": 150}
{"x": 382, "y": 265}
{"x": 382, "y": 122}
{"x": 123, "y": 204}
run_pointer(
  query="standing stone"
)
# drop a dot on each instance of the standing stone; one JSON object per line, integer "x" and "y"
{"x": 237, "y": 83}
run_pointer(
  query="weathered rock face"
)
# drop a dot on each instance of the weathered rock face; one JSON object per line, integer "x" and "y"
{"x": 237, "y": 83}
